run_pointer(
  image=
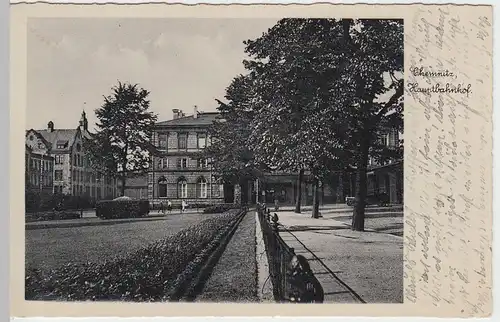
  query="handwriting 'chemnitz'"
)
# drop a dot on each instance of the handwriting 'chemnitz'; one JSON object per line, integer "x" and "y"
{"x": 440, "y": 88}
{"x": 422, "y": 72}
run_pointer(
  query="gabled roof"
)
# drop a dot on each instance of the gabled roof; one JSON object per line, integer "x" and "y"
{"x": 60, "y": 136}
{"x": 41, "y": 137}
{"x": 202, "y": 119}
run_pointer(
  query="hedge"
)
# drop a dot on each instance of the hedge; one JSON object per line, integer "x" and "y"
{"x": 43, "y": 201}
{"x": 108, "y": 209}
{"x": 148, "y": 274}
{"x": 53, "y": 215}
{"x": 220, "y": 208}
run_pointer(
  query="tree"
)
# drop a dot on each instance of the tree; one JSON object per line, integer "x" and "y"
{"x": 293, "y": 66}
{"x": 123, "y": 140}
{"x": 372, "y": 79}
{"x": 322, "y": 84}
{"x": 229, "y": 152}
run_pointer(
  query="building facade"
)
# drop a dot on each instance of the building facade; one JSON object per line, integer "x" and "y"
{"x": 73, "y": 174}
{"x": 177, "y": 174}
{"x": 136, "y": 186}
{"x": 39, "y": 169}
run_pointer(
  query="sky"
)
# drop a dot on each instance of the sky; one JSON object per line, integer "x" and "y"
{"x": 73, "y": 62}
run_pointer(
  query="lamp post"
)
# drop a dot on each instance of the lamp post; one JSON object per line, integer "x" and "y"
{"x": 210, "y": 182}
{"x": 257, "y": 191}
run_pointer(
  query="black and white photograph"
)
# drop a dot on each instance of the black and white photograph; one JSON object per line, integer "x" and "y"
{"x": 241, "y": 160}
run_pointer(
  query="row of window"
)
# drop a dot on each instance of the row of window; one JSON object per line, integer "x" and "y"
{"x": 36, "y": 178}
{"x": 181, "y": 163}
{"x": 183, "y": 190}
{"x": 82, "y": 176}
{"x": 94, "y": 192}
{"x": 182, "y": 141}
{"x": 43, "y": 165}
{"x": 78, "y": 160}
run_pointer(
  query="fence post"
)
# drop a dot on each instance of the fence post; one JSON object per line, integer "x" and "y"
{"x": 275, "y": 223}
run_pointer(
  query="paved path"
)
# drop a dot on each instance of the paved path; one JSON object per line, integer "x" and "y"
{"x": 351, "y": 266}
{"x": 380, "y": 219}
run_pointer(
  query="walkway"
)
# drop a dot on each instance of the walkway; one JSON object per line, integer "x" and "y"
{"x": 351, "y": 266}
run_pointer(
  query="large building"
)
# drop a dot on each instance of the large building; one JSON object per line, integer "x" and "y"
{"x": 177, "y": 174}
{"x": 73, "y": 174}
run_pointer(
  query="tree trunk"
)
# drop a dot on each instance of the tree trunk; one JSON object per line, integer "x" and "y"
{"x": 315, "y": 211}
{"x": 237, "y": 194}
{"x": 358, "y": 217}
{"x": 340, "y": 188}
{"x": 299, "y": 191}
{"x": 122, "y": 190}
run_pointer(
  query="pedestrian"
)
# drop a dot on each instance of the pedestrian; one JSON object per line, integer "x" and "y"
{"x": 183, "y": 206}
{"x": 276, "y": 204}
{"x": 169, "y": 206}
{"x": 162, "y": 207}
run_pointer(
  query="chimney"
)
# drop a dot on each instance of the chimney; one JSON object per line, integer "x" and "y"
{"x": 176, "y": 113}
{"x": 50, "y": 126}
{"x": 195, "y": 114}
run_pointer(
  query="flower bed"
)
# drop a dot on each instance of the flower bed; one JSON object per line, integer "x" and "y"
{"x": 220, "y": 208}
{"x": 145, "y": 275}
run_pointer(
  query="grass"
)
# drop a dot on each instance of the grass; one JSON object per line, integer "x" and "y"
{"x": 234, "y": 277}
{"x": 52, "y": 247}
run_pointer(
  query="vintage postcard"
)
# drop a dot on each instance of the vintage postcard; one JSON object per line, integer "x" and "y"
{"x": 242, "y": 160}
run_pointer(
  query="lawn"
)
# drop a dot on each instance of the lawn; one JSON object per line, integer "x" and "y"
{"x": 234, "y": 277}
{"x": 52, "y": 247}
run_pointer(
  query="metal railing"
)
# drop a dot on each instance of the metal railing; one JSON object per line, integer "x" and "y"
{"x": 291, "y": 276}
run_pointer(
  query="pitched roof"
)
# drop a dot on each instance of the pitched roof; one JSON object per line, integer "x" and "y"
{"x": 59, "y": 136}
{"x": 202, "y": 119}
{"x": 41, "y": 137}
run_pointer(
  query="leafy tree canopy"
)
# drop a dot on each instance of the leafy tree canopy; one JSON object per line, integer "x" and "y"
{"x": 122, "y": 141}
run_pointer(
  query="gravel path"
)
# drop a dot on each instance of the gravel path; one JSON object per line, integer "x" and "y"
{"x": 234, "y": 277}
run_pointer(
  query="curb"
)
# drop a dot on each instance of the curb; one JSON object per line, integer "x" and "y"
{"x": 265, "y": 286}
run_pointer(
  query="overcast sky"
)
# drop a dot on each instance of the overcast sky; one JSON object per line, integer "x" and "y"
{"x": 72, "y": 63}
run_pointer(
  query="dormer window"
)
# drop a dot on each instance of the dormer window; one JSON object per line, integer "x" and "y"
{"x": 62, "y": 144}
{"x": 78, "y": 147}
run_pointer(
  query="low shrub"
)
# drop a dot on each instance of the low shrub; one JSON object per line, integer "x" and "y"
{"x": 144, "y": 275}
{"x": 220, "y": 208}
{"x": 53, "y": 215}
{"x": 109, "y": 209}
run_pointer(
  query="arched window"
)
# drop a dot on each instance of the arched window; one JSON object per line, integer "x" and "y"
{"x": 182, "y": 188}
{"x": 162, "y": 187}
{"x": 202, "y": 188}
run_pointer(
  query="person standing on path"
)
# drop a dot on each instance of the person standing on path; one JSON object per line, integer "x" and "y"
{"x": 169, "y": 206}
{"x": 162, "y": 207}
{"x": 183, "y": 206}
